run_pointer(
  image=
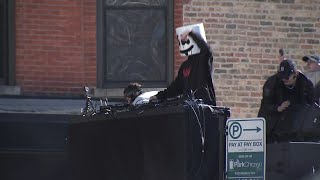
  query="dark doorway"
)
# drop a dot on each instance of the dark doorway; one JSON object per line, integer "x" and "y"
{"x": 7, "y": 42}
{"x": 3, "y": 42}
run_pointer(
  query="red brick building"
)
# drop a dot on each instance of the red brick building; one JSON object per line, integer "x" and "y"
{"x": 55, "y": 47}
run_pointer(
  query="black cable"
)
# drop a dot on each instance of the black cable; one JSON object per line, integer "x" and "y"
{"x": 202, "y": 133}
{"x": 199, "y": 123}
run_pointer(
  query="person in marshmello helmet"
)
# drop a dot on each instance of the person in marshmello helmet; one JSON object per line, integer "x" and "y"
{"x": 194, "y": 78}
{"x": 188, "y": 46}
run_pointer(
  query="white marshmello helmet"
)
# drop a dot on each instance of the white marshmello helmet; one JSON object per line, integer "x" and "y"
{"x": 190, "y": 47}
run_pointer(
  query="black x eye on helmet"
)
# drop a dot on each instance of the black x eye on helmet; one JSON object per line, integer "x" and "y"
{"x": 132, "y": 91}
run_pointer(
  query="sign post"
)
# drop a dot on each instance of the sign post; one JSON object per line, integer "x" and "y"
{"x": 246, "y": 149}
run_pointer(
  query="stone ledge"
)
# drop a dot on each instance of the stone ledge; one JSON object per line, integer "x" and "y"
{"x": 10, "y": 90}
{"x": 41, "y": 106}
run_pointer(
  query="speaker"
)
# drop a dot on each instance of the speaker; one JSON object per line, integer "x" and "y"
{"x": 293, "y": 160}
{"x": 33, "y": 146}
{"x": 172, "y": 142}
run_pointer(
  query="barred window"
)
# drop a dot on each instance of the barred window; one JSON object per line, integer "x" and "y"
{"x": 134, "y": 42}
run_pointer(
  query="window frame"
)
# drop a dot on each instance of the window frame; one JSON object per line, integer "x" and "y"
{"x": 101, "y": 56}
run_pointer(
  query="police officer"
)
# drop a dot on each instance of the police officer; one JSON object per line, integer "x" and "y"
{"x": 313, "y": 73}
{"x": 289, "y": 87}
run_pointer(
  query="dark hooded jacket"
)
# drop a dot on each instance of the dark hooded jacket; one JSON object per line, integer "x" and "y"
{"x": 194, "y": 75}
{"x": 275, "y": 92}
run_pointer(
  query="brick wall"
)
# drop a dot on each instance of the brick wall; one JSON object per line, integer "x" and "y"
{"x": 246, "y": 35}
{"x": 178, "y": 21}
{"x": 55, "y": 46}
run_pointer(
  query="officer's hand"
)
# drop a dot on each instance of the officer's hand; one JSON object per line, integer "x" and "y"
{"x": 284, "y": 105}
{"x": 153, "y": 99}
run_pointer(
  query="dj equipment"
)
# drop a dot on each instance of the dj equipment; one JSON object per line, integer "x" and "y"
{"x": 299, "y": 123}
{"x": 293, "y": 161}
{"x": 174, "y": 141}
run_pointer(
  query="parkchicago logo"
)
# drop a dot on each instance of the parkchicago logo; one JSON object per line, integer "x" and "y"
{"x": 243, "y": 164}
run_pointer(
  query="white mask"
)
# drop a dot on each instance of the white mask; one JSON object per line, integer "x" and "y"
{"x": 190, "y": 47}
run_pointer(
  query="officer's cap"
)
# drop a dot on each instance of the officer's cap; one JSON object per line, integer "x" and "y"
{"x": 286, "y": 68}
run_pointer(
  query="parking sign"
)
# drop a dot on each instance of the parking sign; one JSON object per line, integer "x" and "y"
{"x": 246, "y": 149}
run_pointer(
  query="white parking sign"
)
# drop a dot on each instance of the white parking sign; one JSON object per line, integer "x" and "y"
{"x": 245, "y": 149}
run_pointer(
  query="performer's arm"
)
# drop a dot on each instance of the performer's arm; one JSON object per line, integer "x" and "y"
{"x": 174, "y": 89}
{"x": 203, "y": 45}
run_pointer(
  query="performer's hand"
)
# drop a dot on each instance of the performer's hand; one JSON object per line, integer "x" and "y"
{"x": 184, "y": 35}
{"x": 153, "y": 99}
{"x": 284, "y": 105}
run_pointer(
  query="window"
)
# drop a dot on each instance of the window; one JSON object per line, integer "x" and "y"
{"x": 134, "y": 42}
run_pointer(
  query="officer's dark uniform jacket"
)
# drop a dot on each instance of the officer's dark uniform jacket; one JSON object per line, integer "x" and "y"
{"x": 194, "y": 74}
{"x": 275, "y": 92}
{"x": 317, "y": 93}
